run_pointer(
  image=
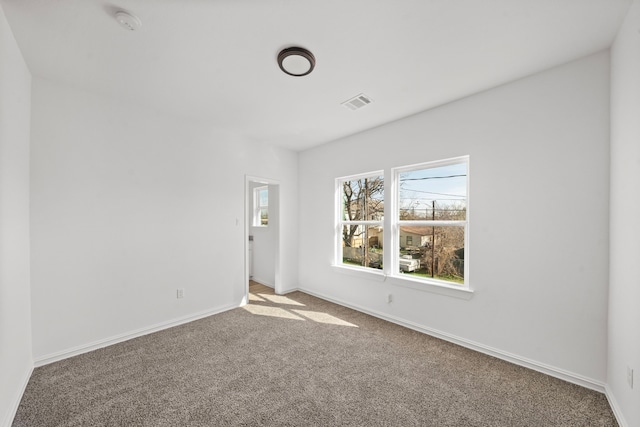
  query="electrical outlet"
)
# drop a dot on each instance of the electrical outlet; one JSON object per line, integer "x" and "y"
{"x": 180, "y": 293}
{"x": 630, "y": 376}
{"x": 389, "y": 298}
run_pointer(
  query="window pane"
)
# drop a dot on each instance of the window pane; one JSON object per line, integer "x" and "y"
{"x": 437, "y": 193}
{"x": 264, "y": 197}
{"x": 363, "y": 199}
{"x": 264, "y": 216}
{"x": 421, "y": 257}
{"x": 362, "y": 245}
{"x": 261, "y": 206}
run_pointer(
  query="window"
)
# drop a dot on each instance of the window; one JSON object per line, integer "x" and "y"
{"x": 360, "y": 220}
{"x": 426, "y": 222}
{"x": 431, "y": 220}
{"x": 261, "y": 206}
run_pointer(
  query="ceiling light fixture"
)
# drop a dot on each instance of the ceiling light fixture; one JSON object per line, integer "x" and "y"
{"x": 128, "y": 21}
{"x": 296, "y": 61}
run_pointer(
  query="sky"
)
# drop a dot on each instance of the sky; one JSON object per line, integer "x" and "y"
{"x": 446, "y": 185}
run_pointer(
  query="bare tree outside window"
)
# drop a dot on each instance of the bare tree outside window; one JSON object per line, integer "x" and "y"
{"x": 363, "y": 201}
{"x": 433, "y": 212}
{"x": 427, "y": 215}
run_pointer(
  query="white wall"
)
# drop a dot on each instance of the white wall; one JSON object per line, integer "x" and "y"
{"x": 15, "y": 306}
{"x": 129, "y": 204}
{"x": 539, "y": 217}
{"x": 265, "y": 240}
{"x": 624, "y": 296}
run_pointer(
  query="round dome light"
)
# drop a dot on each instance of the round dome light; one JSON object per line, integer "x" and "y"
{"x": 296, "y": 61}
{"x": 128, "y": 21}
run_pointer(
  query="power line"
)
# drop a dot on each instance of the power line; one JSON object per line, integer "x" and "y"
{"x": 431, "y": 177}
{"x": 431, "y": 192}
{"x": 439, "y": 199}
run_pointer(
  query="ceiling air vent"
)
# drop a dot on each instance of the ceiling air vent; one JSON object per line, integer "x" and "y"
{"x": 357, "y": 102}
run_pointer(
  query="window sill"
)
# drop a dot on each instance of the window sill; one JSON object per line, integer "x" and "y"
{"x": 406, "y": 282}
{"x": 362, "y": 272}
{"x": 433, "y": 287}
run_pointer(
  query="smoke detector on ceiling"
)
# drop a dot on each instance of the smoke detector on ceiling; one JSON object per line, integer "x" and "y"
{"x": 358, "y": 102}
{"x": 128, "y": 21}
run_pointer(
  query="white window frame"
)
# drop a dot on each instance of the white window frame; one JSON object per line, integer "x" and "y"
{"x": 257, "y": 207}
{"x": 396, "y": 223}
{"x": 391, "y": 224}
{"x": 340, "y": 222}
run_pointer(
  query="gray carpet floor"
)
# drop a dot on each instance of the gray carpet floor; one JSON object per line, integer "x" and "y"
{"x": 296, "y": 360}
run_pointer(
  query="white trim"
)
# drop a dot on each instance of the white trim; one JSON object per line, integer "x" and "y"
{"x": 85, "y": 348}
{"x": 392, "y": 231}
{"x": 339, "y": 221}
{"x": 362, "y": 272}
{"x": 431, "y": 285}
{"x": 396, "y": 223}
{"x": 263, "y": 282}
{"x": 615, "y": 408}
{"x": 431, "y": 223}
{"x": 257, "y": 206}
{"x": 391, "y": 223}
{"x": 408, "y": 281}
{"x": 248, "y": 219}
{"x": 433, "y": 163}
{"x": 472, "y": 345}
{"x": 13, "y": 409}
{"x": 374, "y": 223}
{"x": 288, "y": 291}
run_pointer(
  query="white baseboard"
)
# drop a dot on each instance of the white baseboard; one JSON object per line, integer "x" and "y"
{"x": 288, "y": 291}
{"x": 509, "y": 357}
{"x": 263, "y": 282}
{"x": 8, "y": 419}
{"x": 85, "y": 348}
{"x": 615, "y": 407}
{"x": 527, "y": 363}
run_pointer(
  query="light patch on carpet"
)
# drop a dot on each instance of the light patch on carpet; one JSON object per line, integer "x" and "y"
{"x": 320, "y": 317}
{"x": 280, "y": 299}
{"x": 254, "y": 297}
{"x": 245, "y": 369}
{"x": 261, "y": 310}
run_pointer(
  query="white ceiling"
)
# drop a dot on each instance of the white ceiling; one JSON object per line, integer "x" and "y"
{"x": 215, "y": 60}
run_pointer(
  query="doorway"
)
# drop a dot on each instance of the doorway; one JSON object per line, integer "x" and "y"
{"x": 262, "y": 233}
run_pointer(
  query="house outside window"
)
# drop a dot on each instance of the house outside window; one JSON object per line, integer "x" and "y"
{"x": 426, "y": 221}
{"x": 432, "y": 214}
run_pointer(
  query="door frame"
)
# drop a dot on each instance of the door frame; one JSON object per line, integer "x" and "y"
{"x": 248, "y": 214}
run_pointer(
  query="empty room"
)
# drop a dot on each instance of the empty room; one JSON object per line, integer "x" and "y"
{"x": 393, "y": 213}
